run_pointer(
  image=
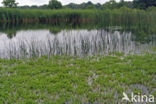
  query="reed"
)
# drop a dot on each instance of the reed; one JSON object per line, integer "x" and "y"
{"x": 125, "y": 17}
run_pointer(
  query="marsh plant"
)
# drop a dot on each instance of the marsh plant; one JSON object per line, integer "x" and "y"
{"x": 125, "y": 17}
{"x": 70, "y": 79}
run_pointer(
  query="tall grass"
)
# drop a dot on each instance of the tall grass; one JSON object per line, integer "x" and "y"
{"x": 125, "y": 17}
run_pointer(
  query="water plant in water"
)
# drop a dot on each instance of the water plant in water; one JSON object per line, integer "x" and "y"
{"x": 70, "y": 79}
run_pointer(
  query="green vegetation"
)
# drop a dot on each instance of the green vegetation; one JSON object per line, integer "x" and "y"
{"x": 62, "y": 79}
{"x": 133, "y": 19}
{"x": 54, "y": 4}
{"x": 111, "y": 4}
{"x": 144, "y": 4}
{"x": 9, "y": 3}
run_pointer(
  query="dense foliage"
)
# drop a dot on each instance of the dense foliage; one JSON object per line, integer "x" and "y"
{"x": 143, "y": 4}
{"x": 54, "y": 4}
{"x": 9, "y": 3}
{"x": 112, "y": 4}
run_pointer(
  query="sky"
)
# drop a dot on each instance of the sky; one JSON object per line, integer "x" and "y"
{"x": 64, "y": 2}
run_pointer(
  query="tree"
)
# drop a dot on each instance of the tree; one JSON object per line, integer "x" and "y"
{"x": 143, "y": 4}
{"x": 43, "y": 6}
{"x": 54, "y": 4}
{"x": 9, "y": 3}
{"x": 91, "y": 7}
{"x": 34, "y": 7}
{"x": 121, "y": 3}
{"x": 110, "y": 5}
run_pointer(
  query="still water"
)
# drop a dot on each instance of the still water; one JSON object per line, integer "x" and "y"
{"x": 36, "y": 43}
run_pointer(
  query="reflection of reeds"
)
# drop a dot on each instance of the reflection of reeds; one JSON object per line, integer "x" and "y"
{"x": 77, "y": 43}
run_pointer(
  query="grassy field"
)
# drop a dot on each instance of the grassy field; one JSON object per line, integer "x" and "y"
{"x": 66, "y": 79}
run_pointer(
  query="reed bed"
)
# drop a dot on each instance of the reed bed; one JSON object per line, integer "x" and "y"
{"x": 125, "y": 17}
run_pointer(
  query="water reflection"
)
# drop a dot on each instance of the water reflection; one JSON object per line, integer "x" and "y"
{"x": 37, "y": 43}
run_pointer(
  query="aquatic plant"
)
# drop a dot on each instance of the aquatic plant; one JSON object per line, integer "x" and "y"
{"x": 70, "y": 79}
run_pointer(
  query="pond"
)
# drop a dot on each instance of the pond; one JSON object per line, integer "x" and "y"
{"x": 76, "y": 42}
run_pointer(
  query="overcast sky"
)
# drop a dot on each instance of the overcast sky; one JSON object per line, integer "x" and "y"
{"x": 64, "y": 2}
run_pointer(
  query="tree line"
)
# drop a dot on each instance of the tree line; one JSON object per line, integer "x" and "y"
{"x": 112, "y": 4}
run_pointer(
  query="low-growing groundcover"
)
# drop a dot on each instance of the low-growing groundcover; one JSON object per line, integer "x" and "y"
{"x": 74, "y": 80}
